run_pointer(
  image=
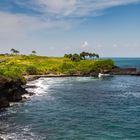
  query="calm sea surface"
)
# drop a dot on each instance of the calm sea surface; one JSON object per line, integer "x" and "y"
{"x": 127, "y": 62}
{"x": 76, "y": 108}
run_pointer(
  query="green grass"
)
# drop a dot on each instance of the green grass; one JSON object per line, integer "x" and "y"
{"x": 17, "y": 66}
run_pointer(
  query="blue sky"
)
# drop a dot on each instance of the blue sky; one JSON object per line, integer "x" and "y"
{"x": 110, "y": 28}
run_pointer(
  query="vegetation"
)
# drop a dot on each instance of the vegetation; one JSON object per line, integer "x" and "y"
{"x": 82, "y": 56}
{"x": 15, "y": 52}
{"x": 15, "y": 66}
{"x": 33, "y": 52}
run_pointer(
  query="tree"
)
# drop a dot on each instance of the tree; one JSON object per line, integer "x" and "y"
{"x": 14, "y": 51}
{"x": 82, "y": 55}
{"x": 97, "y": 56}
{"x": 75, "y": 57}
{"x": 68, "y": 56}
{"x": 33, "y": 52}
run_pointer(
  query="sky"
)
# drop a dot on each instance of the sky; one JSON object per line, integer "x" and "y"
{"x": 110, "y": 28}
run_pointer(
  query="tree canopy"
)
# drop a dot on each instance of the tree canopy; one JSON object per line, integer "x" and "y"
{"x": 14, "y": 51}
{"x": 81, "y": 56}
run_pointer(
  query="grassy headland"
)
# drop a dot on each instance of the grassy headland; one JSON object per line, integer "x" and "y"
{"x": 15, "y": 66}
{"x": 13, "y": 69}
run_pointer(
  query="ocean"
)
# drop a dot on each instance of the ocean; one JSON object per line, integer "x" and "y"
{"x": 127, "y": 62}
{"x": 77, "y": 108}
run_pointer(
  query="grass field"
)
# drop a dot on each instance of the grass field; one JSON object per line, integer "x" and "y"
{"x": 17, "y": 66}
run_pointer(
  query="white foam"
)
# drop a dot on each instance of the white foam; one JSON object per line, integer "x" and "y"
{"x": 27, "y": 96}
{"x": 134, "y": 94}
{"x": 23, "y": 134}
{"x": 85, "y": 79}
{"x": 40, "y": 88}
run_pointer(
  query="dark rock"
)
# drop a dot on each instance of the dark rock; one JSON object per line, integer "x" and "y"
{"x": 124, "y": 71}
{"x": 4, "y": 102}
{"x": 10, "y": 91}
{"x": 30, "y": 86}
{"x": 14, "y": 96}
{"x": 31, "y": 93}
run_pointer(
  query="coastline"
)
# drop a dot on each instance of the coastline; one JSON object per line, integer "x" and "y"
{"x": 115, "y": 71}
{"x": 15, "y": 91}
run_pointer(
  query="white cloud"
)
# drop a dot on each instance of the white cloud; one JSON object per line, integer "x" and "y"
{"x": 55, "y": 14}
{"x": 57, "y": 6}
{"x": 72, "y": 8}
{"x": 14, "y": 25}
{"x": 84, "y": 44}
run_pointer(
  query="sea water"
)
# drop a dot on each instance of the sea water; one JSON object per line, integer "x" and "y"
{"x": 76, "y": 108}
{"x": 127, "y": 62}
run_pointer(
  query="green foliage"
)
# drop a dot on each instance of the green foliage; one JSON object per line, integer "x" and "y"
{"x": 14, "y": 51}
{"x": 68, "y": 56}
{"x": 31, "y": 70}
{"x": 12, "y": 72}
{"x": 102, "y": 65}
{"x": 17, "y": 66}
{"x": 33, "y": 52}
{"x": 75, "y": 57}
{"x": 84, "y": 55}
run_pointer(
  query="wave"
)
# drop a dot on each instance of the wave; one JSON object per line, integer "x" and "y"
{"x": 133, "y": 94}
{"x": 24, "y": 134}
{"x": 40, "y": 87}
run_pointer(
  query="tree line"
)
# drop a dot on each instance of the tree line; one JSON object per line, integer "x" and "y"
{"x": 16, "y": 52}
{"x": 72, "y": 57}
{"x": 81, "y": 56}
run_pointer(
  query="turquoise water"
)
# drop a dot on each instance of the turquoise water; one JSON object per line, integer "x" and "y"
{"x": 127, "y": 62}
{"x": 76, "y": 109}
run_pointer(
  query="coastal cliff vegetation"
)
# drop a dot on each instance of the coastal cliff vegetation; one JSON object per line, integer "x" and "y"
{"x": 16, "y": 66}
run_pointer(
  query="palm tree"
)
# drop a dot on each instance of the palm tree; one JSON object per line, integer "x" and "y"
{"x": 33, "y": 52}
{"x": 97, "y": 56}
{"x": 83, "y": 55}
{"x": 14, "y": 51}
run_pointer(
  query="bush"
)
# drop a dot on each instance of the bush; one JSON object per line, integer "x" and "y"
{"x": 75, "y": 57}
{"x": 66, "y": 66}
{"x": 31, "y": 70}
{"x": 100, "y": 65}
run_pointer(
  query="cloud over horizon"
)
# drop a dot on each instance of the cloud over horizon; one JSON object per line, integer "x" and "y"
{"x": 53, "y": 13}
{"x": 24, "y": 19}
{"x": 72, "y": 8}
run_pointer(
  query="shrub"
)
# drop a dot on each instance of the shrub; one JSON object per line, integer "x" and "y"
{"x": 66, "y": 66}
{"x": 75, "y": 57}
{"x": 31, "y": 70}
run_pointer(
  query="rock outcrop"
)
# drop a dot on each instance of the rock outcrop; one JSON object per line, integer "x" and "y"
{"x": 10, "y": 91}
{"x": 125, "y": 71}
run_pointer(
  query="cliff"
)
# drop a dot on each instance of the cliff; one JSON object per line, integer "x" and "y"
{"x": 10, "y": 91}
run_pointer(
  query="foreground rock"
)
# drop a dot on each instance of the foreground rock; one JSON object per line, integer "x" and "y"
{"x": 10, "y": 91}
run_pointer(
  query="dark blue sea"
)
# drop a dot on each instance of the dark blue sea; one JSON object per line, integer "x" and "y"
{"x": 127, "y": 62}
{"x": 77, "y": 108}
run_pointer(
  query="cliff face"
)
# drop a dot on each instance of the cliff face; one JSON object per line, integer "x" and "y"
{"x": 10, "y": 91}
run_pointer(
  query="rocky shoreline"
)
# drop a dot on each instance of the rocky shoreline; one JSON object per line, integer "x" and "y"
{"x": 12, "y": 91}
{"x": 114, "y": 71}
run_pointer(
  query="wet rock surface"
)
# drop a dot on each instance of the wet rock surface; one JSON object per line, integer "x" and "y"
{"x": 10, "y": 91}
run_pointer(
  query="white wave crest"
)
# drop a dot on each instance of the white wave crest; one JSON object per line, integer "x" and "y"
{"x": 40, "y": 87}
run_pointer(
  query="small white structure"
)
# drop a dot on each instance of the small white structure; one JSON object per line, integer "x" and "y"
{"x": 103, "y": 75}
